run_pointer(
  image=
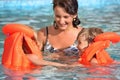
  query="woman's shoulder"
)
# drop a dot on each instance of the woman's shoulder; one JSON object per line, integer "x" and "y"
{"x": 80, "y": 27}
{"x": 43, "y": 31}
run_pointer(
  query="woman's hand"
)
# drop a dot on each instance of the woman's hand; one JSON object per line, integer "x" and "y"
{"x": 37, "y": 61}
{"x": 76, "y": 64}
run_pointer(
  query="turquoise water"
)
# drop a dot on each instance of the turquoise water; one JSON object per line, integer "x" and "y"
{"x": 37, "y": 14}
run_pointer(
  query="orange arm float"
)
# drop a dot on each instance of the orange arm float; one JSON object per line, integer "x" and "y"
{"x": 103, "y": 58}
{"x": 112, "y": 36}
{"x": 16, "y": 46}
{"x": 11, "y": 28}
{"x": 94, "y": 48}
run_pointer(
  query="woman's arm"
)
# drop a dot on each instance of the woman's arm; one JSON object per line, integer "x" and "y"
{"x": 37, "y": 61}
{"x": 40, "y": 39}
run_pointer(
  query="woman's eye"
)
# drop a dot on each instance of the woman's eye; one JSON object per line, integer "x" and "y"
{"x": 66, "y": 16}
{"x": 57, "y": 16}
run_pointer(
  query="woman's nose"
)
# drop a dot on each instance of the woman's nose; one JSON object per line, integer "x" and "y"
{"x": 61, "y": 21}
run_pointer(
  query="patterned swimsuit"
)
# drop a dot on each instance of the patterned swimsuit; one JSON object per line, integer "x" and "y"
{"x": 69, "y": 51}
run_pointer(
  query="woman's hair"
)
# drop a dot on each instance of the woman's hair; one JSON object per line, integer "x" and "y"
{"x": 90, "y": 33}
{"x": 70, "y": 6}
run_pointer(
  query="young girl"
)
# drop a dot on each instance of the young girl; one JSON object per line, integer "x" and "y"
{"x": 86, "y": 37}
{"x": 92, "y": 48}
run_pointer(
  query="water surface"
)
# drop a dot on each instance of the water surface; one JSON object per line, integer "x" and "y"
{"x": 37, "y": 14}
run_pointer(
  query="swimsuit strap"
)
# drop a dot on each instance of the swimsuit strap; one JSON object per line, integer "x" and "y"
{"x": 46, "y": 33}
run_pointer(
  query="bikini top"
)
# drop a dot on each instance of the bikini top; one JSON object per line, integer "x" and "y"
{"x": 69, "y": 51}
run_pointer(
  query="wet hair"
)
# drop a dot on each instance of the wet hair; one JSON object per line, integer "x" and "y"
{"x": 90, "y": 33}
{"x": 70, "y": 6}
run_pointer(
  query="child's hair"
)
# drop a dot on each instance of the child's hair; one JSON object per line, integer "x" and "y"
{"x": 90, "y": 33}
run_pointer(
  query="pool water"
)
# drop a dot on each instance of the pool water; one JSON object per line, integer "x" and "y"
{"x": 37, "y": 14}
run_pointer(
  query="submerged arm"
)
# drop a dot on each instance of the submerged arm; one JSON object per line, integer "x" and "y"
{"x": 37, "y": 61}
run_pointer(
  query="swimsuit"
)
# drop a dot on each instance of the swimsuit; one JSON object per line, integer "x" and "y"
{"x": 69, "y": 51}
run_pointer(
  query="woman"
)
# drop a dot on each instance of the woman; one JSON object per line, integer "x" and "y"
{"x": 61, "y": 37}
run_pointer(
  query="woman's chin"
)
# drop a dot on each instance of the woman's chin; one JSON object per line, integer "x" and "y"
{"x": 63, "y": 27}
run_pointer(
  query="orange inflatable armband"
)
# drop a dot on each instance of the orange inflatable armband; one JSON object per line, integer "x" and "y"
{"x": 16, "y": 46}
{"x": 95, "y": 48}
{"x": 112, "y": 36}
{"x": 11, "y": 28}
{"x": 103, "y": 58}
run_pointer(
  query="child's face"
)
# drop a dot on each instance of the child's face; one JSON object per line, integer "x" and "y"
{"x": 83, "y": 43}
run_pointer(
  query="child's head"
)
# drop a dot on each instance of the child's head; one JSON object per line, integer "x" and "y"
{"x": 87, "y": 36}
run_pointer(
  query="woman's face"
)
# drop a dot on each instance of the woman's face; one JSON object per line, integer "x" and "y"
{"x": 62, "y": 18}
